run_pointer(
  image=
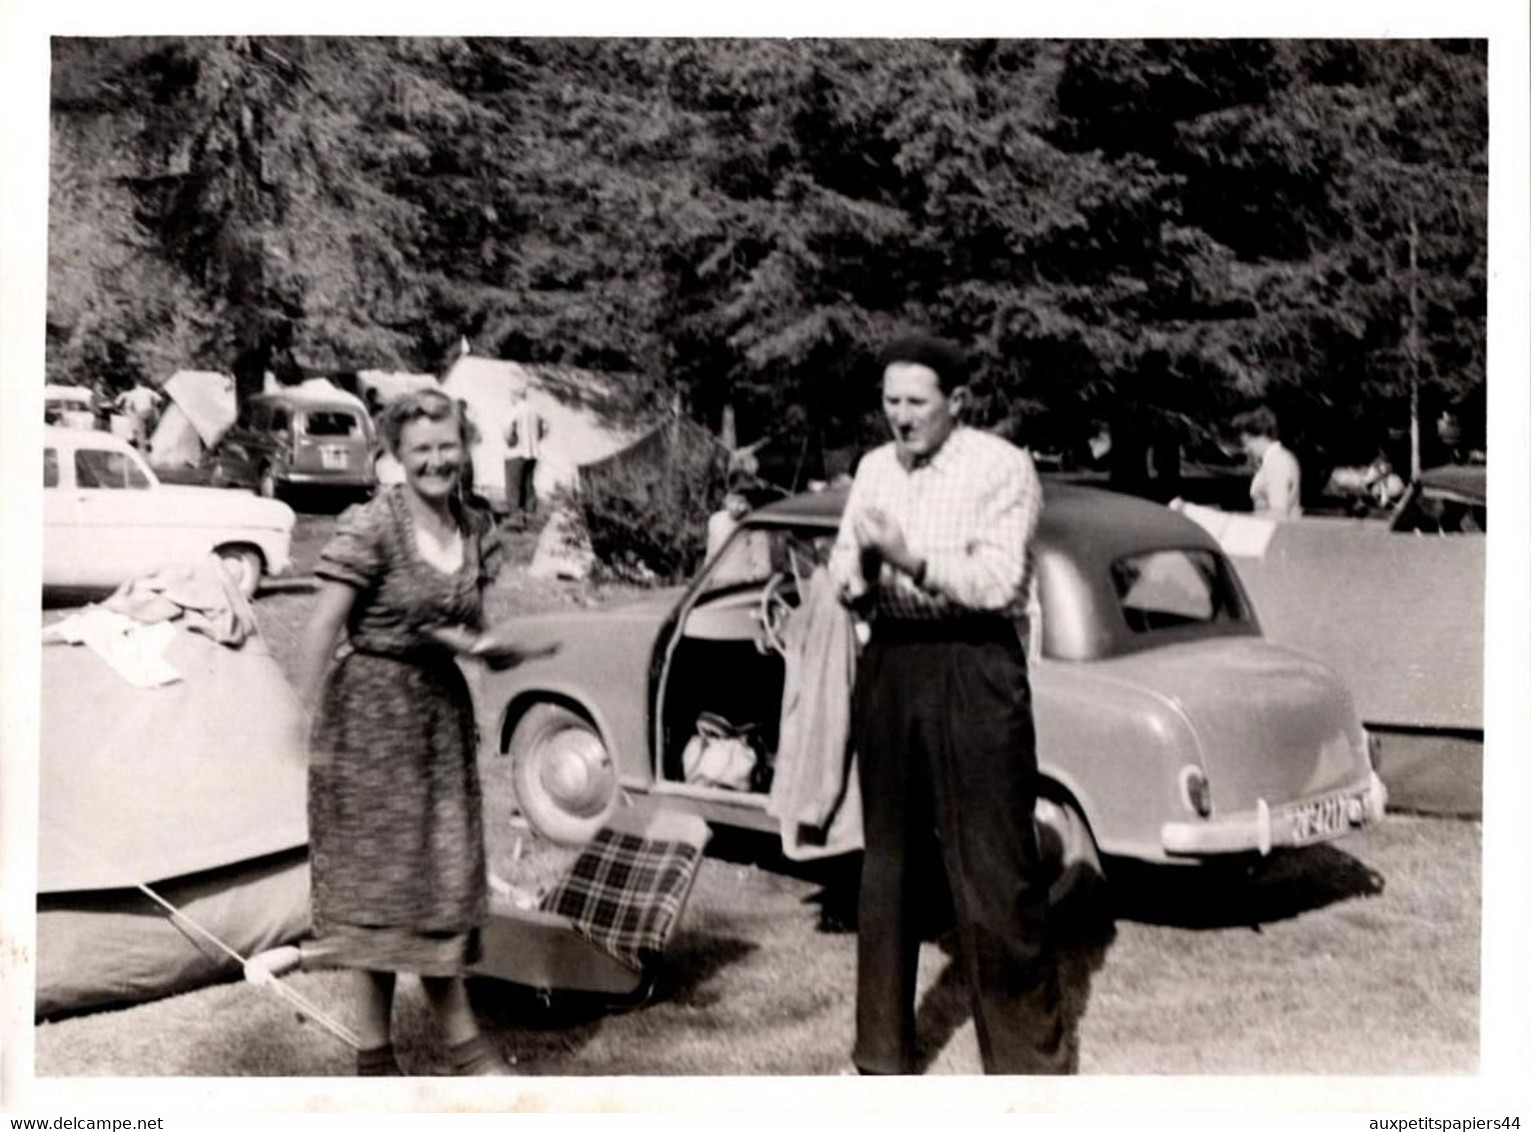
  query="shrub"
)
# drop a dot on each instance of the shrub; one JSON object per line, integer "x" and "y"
{"x": 645, "y": 512}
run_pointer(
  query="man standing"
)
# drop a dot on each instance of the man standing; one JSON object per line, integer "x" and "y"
{"x": 934, "y": 545}
{"x": 1276, "y": 489}
{"x": 524, "y": 435}
{"x": 138, "y": 404}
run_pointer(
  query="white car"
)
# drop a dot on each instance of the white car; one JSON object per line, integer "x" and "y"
{"x": 70, "y": 406}
{"x": 107, "y": 519}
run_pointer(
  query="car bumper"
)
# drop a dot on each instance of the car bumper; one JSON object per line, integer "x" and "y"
{"x": 326, "y": 479}
{"x": 1324, "y": 818}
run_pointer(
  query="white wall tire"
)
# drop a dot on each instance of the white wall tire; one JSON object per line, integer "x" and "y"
{"x": 566, "y": 783}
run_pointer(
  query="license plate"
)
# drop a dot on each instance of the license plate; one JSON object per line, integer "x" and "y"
{"x": 332, "y": 459}
{"x": 1327, "y": 817}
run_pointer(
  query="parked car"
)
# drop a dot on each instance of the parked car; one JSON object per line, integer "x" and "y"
{"x": 1169, "y": 730}
{"x": 296, "y": 439}
{"x": 107, "y": 518}
{"x": 1449, "y": 500}
{"x": 71, "y": 406}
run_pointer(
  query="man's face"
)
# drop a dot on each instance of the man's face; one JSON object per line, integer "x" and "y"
{"x": 1255, "y": 446}
{"x": 920, "y": 416}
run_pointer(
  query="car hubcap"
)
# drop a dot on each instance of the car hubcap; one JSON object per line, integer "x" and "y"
{"x": 576, "y": 773}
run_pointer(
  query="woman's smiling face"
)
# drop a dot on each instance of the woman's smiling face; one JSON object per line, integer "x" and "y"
{"x": 431, "y": 454}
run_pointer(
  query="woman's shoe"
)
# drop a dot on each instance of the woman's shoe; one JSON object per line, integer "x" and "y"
{"x": 477, "y": 1057}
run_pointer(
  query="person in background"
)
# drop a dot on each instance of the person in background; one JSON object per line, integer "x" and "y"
{"x": 139, "y": 404}
{"x": 749, "y": 557}
{"x": 725, "y": 520}
{"x": 1384, "y": 486}
{"x": 933, "y": 547}
{"x": 524, "y": 435}
{"x": 396, "y": 830}
{"x": 1276, "y": 489}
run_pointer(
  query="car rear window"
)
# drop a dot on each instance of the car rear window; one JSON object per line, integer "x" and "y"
{"x": 101, "y": 467}
{"x": 1168, "y": 588}
{"x": 331, "y": 424}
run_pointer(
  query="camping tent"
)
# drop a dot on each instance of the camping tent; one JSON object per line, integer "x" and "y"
{"x": 387, "y": 386}
{"x": 200, "y": 410}
{"x": 196, "y": 787}
{"x": 319, "y": 388}
{"x": 580, "y": 409}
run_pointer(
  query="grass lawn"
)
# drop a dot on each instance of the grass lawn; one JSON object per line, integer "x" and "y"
{"x": 1354, "y": 959}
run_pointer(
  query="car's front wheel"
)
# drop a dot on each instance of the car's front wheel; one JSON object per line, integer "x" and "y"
{"x": 565, "y": 781}
{"x": 244, "y": 565}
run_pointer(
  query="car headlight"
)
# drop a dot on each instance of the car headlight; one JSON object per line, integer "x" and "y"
{"x": 1196, "y": 791}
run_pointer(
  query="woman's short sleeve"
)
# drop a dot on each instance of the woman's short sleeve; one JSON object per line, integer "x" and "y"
{"x": 355, "y": 553}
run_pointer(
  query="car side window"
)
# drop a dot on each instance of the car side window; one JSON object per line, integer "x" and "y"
{"x": 50, "y": 467}
{"x": 103, "y": 468}
{"x": 279, "y": 422}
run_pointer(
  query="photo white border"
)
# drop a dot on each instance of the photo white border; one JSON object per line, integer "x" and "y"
{"x": 1500, "y": 1089}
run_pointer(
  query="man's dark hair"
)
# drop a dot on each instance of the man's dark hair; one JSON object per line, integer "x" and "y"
{"x": 1257, "y": 422}
{"x": 939, "y": 354}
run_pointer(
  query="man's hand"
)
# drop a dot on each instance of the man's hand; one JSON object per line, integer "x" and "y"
{"x": 879, "y": 534}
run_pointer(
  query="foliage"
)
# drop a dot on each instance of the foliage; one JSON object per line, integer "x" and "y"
{"x": 646, "y": 516}
{"x": 1149, "y": 233}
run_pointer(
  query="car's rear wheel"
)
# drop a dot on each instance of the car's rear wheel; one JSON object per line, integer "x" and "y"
{"x": 245, "y": 566}
{"x": 566, "y": 783}
{"x": 1066, "y": 843}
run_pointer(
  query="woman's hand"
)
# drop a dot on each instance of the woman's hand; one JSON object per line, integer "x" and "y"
{"x": 497, "y": 651}
{"x": 458, "y": 638}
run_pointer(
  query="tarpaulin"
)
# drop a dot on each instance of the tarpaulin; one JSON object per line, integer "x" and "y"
{"x": 140, "y": 784}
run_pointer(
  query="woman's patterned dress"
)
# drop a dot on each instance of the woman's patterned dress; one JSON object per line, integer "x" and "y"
{"x": 395, "y": 816}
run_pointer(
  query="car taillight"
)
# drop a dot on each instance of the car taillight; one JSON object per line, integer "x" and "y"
{"x": 1196, "y": 791}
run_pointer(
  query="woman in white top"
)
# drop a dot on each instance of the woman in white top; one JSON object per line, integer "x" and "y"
{"x": 1276, "y": 490}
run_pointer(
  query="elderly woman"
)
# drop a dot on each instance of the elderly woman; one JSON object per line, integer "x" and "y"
{"x": 395, "y": 822}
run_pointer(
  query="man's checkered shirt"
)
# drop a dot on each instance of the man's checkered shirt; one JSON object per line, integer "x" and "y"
{"x": 969, "y": 510}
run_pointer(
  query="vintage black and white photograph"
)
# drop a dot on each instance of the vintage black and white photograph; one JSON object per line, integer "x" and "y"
{"x": 634, "y": 556}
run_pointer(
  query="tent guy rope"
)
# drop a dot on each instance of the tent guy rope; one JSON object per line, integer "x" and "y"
{"x": 253, "y": 973}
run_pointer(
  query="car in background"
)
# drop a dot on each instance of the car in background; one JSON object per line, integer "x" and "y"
{"x": 1448, "y": 500}
{"x": 107, "y": 519}
{"x": 1169, "y": 730}
{"x": 295, "y": 439}
{"x": 71, "y": 406}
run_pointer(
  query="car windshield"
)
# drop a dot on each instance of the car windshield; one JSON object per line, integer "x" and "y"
{"x": 1169, "y": 588}
{"x": 1432, "y": 511}
{"x": 105, "y": 468}
{"x": 327, "y": 423}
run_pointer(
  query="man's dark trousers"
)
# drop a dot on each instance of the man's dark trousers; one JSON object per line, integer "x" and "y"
{"x": 520, "y": 485}
{"x": 945, "y": 742}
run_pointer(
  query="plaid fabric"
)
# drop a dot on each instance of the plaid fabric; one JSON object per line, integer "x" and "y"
{"x": 969, "y": 511}
{"x": 625, "y": 893}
